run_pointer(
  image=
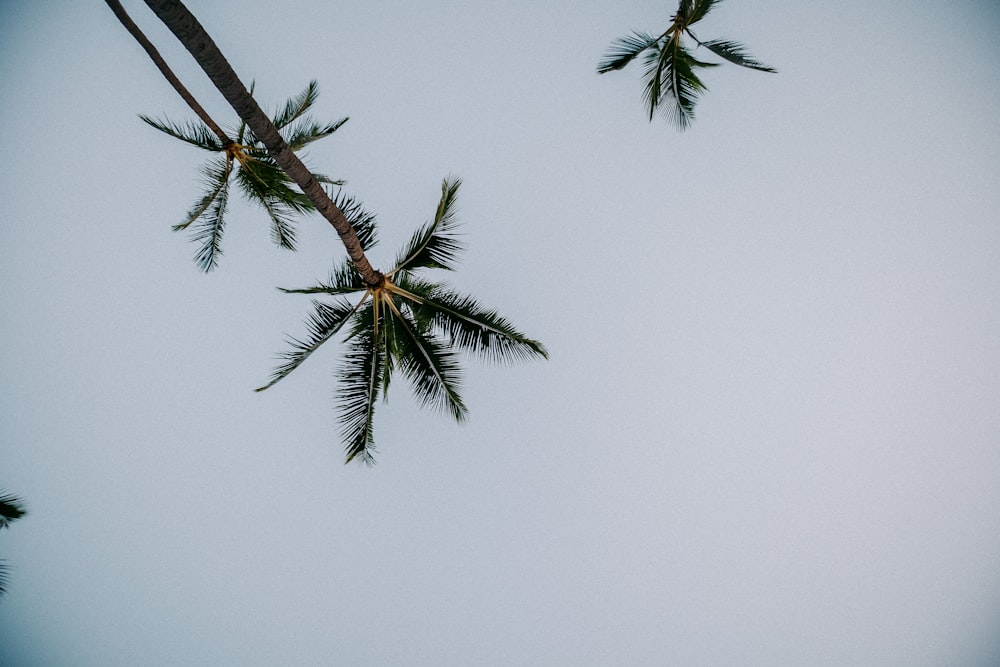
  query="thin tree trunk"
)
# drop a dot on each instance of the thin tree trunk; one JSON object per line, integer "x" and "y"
{"x": 168, "y": 74}
{"x": 197, "y": 41}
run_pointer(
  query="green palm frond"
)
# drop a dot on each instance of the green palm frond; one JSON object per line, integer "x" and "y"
{"x": 624, "y": 50}
{"x": 308, "y": 131}
{"x": 361, "y": 220}
{"x": 296, "y": 106}
{"x": 261, "y": 185}
{"x": 361, "y": 377}
{"x": 208, "y": 229}
{"x": 426, "y": 361}
{"x": 672, "y": 87}
{"x": 324, "y": 322}
{"x": 344, "y": 279}
{"x": 735, "y": 53}
{"x": 435, "y": 245}
{"x": 469, "y": 326}
{"x": 196, "y": 134}
{"x": 216, "y": 177}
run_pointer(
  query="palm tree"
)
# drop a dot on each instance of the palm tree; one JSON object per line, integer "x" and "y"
{"x": 407, "y": 322}
{"x": 672, "y": 86}
{"x": 245, "y": 160}
{"x": 11, "y": 509}
{"x": 401, "y": 320}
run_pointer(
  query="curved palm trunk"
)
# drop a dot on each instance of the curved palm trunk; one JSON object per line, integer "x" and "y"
{"x": 165, "y": 70}
{"x": 197, "y": 41}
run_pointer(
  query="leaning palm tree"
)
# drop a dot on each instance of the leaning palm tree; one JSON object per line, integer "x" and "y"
{"x": 409, "y": 323}
{"x": 402, "y": 320}
{"x": 11, "y": 509}
{"x": 245, "y": 160}
{"x": 672, "y": 85}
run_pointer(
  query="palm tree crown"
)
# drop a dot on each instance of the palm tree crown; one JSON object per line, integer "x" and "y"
{"x": 672, "y": 86}
{"x": 245, "y": 160}
{"x": 407, "y": 323}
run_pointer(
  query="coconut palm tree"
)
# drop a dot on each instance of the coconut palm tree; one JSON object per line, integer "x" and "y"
{"x": 672, "y": 85}
{"x": 11, "y": 509}
{"x": 402, "y": 320}
{"x": 409, "y": 323}
{"x": 245, "y": 160}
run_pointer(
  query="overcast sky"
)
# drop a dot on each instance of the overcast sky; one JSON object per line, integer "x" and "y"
{"x": 769, "y": 430}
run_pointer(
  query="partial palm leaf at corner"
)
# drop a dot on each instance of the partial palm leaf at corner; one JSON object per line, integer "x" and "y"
{"x": 406, "y": 324}
{"x": 672, "y": 87}
{"x": 11, "y": 509}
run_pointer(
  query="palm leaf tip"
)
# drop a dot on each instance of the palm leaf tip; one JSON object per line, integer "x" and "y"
{"x": 623, "y": 50}
{"x": 736, "y": 53}
{"x": 436, "y": 245}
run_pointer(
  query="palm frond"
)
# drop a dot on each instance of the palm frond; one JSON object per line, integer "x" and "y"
{"x": 672, "y": 87}
{"x": 267, "y": 185}
{"x": 11, "y": 509}
{"x": 735, "y": 53}
{"x": 361, "y": 377}
{"x": 435, "y": 245}
{"x": 344, "y": 279}
{"x": 695, "y": 10}
{"x": 623, "y": 50}
{"x": 469, "y": 326}
{"x": 362, "y": 220}
{"x": 307, "y": 131}
{"x": 196, "y": 134}
{"x": 216, "y": 176}
{"x": 296, "y": 106}
{"x": 432, "y": 369}
{"x": 208, "y": 230}
{"x": 324, "y": 322}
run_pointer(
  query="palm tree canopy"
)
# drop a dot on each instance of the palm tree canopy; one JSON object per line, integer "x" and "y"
{"x": 245, "y": 160}
{"x": 672, "y": 85}
{"x": 408, "y": 324}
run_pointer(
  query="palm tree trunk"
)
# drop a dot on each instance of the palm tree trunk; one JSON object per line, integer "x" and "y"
{"x": 168, "y": 74}
{"x": 197, "y": 41}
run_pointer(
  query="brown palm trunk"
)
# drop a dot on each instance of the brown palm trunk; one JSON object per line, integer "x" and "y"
{"x": 168, "y": 74}
{"x": 197, "y": 41}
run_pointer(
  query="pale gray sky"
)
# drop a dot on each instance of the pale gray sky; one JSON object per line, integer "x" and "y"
{"x": 769, "y": 431}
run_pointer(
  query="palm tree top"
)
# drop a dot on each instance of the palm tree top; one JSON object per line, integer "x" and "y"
{"x": 243, "y": 158}
{"x": 408, "y": 324}
{"x": 672, "y": 85}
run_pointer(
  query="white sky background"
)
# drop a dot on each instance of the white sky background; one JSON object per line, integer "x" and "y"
{"x": 769, "y": 432}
